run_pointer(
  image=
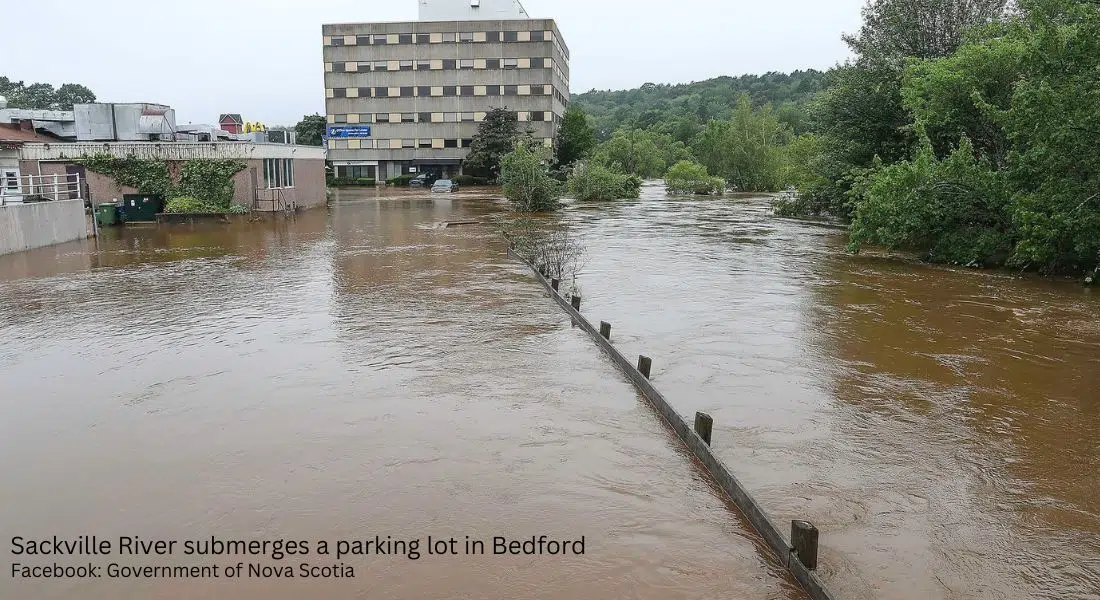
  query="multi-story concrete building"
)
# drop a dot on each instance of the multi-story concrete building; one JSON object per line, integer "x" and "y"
{"x": 408, "y": 97}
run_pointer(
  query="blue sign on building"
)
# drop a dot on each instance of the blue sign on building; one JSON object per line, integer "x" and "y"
{"x": 349, "y": 131}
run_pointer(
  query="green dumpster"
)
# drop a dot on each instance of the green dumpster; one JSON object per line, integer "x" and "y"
{"x": 106, "y": 214}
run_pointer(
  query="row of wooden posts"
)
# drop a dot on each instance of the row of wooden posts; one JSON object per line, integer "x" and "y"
{"x": 804, "y": 535}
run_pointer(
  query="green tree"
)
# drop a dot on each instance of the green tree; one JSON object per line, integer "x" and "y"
{"x": 576, "y": 137}
{"x": 496, "y": 137}
{"x": 593, "y": 181}
{"x": 310, "y": 131}
{"x": 524, "y": 177}
{"x": 686, "y": 177}
{"x": 894, "y": 31}
{"x": 73, "y": 93}
{"x": 748, "y": 150}
{"x": 633, "y": 151}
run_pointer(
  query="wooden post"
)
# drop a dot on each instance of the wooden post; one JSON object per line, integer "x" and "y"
{"x": 605, "y": 330}
{"x": 554, "y": 283}
{"x": 804, "y": 541}
{"x": 576, "y": 301}
{"x": 645, "y": 364}
{"x": 703, "y": 426}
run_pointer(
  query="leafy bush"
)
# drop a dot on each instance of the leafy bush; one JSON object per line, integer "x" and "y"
{"x": 238, "y": 209}
{"x": 400, "y": 180}
{"x": 954, "y": 210}
{"x": 526, "y": 184}
{"x": 469, "y": 180}
{"x": 686, "y": 177}
{"x": 191, "y": 205}
{"x": 591, "y": 181}
{"x": 365, "y": 182}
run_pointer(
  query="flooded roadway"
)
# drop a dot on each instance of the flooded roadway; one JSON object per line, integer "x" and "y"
{"x": 349, "y": 373}
{"x": 939, "y": 426}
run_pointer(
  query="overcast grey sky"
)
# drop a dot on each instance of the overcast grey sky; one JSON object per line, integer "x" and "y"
{"x": 262, "y": 58}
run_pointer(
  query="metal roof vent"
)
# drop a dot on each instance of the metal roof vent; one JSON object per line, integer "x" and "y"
{"x": 475, "y": 3}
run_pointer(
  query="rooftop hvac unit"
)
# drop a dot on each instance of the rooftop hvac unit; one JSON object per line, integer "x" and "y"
{"x": 475, "y": 3}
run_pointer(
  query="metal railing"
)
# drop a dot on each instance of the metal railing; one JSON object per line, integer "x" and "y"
{"x": 41, "y": 188}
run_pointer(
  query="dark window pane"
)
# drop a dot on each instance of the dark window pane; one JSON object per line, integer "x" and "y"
{"x": 424, "y": 91}
{"x": 511, "y": 36}
{"x": 425, "y": 144}
{"x": 538, "y": 36}
{"x": 423, "y": 65}
{"x": 362, "y": 40}
{"x": 492, "y": 36}
{"x": 465, "y": 37}
{"x": 492, "y": 90}
{"x": 381, "y": 92}
{"x": 466, "y": 143}
{"x": 511, "y": 90}
{"x": 425, "y": 118}
{"x": 450, "y": 90}
{"x": 405, "y": 38}
{"x": 364, "y": 92}
{"x": 450, "y": 143}
{"x": 423, "y": 38}
{"x": 538, "y": 63}
{"x": 492, "y": 63}
{"x": 467, "y": 90}
{"x": 407, "y": 91}
{"x": 450, "y": 64}
{"x": 340, "y": 93}
{"x": 379, "y": 40}
{"x": 341, "y": 118}
{"x": 382, "y": 118}
{"x": 337, "y": 40}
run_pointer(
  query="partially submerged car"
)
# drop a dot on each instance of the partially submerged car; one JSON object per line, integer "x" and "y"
{"x": 445, "y": 185}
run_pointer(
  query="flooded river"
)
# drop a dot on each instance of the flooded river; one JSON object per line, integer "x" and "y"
{"x": 364, "y": 371}
{"x": 941, "y": 427}
{"x": 349, "y": 373}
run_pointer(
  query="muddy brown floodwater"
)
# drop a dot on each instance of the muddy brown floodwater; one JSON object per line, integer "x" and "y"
{"x": 352, "y": 372}
{"x": 940, "y": 426}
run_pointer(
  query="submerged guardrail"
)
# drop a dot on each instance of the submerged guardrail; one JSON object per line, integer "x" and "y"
{"x": 799, "y": 556}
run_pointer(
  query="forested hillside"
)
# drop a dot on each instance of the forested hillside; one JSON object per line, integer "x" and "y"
{"x": 699, "y": 102}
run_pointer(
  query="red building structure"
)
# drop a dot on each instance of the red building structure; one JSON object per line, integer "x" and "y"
{"x": 232, "y": 122}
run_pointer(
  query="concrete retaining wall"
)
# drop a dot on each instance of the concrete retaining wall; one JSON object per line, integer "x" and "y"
{"x": 767, "y": 529}
{"x": 37, "y": 224}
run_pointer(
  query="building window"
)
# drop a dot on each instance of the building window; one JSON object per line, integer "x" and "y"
{"x": 511, "y": 63}
{"x": 424, "y": 117}
{"x": 423, "y": 65}
{"x": 338, "y": 67}
{"x": 340, "y": 119}
{"x": 339, "y": 93}
{"x": 538, "y": 63}
{"x": 338, "y": 40}
{"x": 408, "y": 117}
{"x": 466, "y": 90}
{"x": 405, "y": 38}
{"x": 511, "y": 36}
{"x": 408, "y": 143}
{"x": 449, "y": 38}
{"x": 492, "y": 90}
{"x": 381, "y": 92}
{"x": 381, "y": 65}
{"x": 423, "y": 38}
{"x": 450, "y": 64}
{"x": 468, "y": 142}
{"x": 450, "y": 90}
{"x": 406, "y": 65}
{"x": 424, "y": 91}
{"x": 380, "y": 40}
{"x": 492, "y": 36}
{"x": 450, "y": 117}
{"x": 450, "y": 143}
{"x": 492, "y": 63}
{"x": 466, "y": 37}
{"x": 538, "y": 36}
{"x": 424, "y": 144}
{"x": 466, "y": 64}
{"x": 466, "y": 117}
{"x": 278, "y": 173}
{"x": 511, "y": 90}
{"x": 406, "y": 91}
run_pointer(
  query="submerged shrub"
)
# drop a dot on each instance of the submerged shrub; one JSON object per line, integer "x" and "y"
{"x": 592, "y": 181}
{"x": 686, "y": 177}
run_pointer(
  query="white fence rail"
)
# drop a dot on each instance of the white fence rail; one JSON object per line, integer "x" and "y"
{"x": 41, "y": 188}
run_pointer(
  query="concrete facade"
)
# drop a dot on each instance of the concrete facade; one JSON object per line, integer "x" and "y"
{"x": 423, "y": 87}
{"x": 38, "y": 224}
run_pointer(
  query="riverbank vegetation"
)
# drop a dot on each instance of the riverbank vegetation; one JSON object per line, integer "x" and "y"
{"x": 963, "y": 130}
{"x": 686, "y": 178}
